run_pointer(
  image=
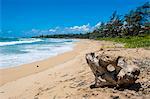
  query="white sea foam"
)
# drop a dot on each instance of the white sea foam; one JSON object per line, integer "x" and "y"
{"x": 21, "y": 41}
{"x": 16, "y": 55}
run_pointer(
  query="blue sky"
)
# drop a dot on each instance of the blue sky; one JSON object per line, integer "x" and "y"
{"x": 35, "y": 17}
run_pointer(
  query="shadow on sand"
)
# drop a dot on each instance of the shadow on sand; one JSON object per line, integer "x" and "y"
{"x": 135, "y": 87}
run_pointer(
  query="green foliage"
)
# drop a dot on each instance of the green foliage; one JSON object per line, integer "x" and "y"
{"x": 81, "y": 36}
{"x": 134, "y": 23}
{"x": 131, "y": 41}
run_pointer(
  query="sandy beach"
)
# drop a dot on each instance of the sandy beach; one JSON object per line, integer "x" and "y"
{"x": 66, "y": 76}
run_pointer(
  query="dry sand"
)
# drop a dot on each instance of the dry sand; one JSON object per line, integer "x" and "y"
{"x": 68, "y": 76}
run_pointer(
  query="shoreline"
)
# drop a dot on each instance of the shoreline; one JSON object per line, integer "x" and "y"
{"x": 16, "y": 72}
{"x": 23, "y": 52}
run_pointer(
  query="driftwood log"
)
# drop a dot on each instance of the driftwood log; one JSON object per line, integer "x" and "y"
{"x": 110, "y": 70}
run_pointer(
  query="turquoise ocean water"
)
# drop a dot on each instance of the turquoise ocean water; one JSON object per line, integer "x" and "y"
{"x": 18, "y": 51}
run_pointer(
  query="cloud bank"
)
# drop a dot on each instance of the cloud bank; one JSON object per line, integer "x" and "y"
{"x": 63, "y": 30}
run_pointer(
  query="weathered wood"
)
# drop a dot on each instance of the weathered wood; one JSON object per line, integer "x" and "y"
{"x": 111, "y": 70}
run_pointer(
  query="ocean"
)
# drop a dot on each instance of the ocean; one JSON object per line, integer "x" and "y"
{"x": 19, "y": 51}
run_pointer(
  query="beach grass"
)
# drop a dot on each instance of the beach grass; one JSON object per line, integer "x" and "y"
{"x": 131, "y": 41}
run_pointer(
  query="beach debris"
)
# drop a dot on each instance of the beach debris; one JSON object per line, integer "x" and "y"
{"x": 112, "y": 70}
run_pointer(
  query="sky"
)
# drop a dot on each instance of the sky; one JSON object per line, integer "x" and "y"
{"x": 20, "y": 18}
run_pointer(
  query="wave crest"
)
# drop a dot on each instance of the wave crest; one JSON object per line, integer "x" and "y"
{"x": 21, "y": 41}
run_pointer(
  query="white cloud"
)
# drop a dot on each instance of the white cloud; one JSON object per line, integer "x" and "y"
{"x": 64, "y": 30}
{"x": 80, "y": 28}
{"x": 52, "y": 30}
{"x": 98, "y": 24}
{"x": 83, "y": 28}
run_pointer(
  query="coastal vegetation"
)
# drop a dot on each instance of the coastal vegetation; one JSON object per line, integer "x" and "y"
{"x": 133, "y": 29}
{"x": 131, "y": 41}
